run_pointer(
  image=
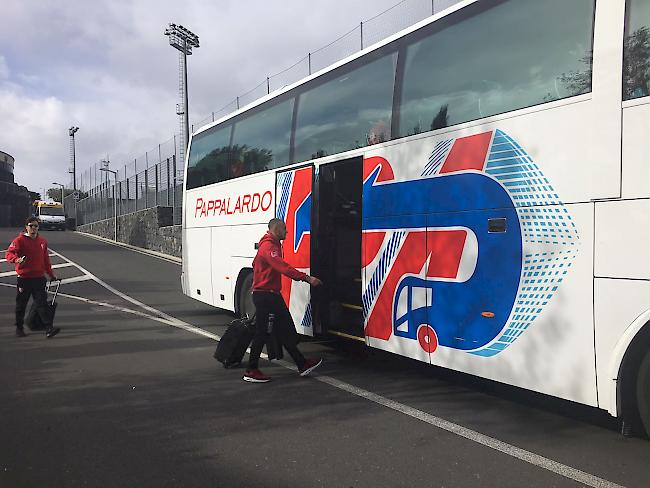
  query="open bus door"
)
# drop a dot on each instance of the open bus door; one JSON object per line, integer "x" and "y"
{"x": 293, "y": 205}
{"x": 336, "y": 248}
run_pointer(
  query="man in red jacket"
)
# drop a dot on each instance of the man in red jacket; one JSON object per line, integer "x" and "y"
{"x": 29, "y": 253}
{"x": 268, "y": 266}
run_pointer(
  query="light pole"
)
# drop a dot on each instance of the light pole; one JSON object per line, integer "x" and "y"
{"x": 105, "y": 168}
{"x": 62, "y": 195}
{"x": 73, "y": 170}
{"x": 184, "y": 40}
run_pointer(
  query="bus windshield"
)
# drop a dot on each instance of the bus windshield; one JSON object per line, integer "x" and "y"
{"x": 56, "y": 211}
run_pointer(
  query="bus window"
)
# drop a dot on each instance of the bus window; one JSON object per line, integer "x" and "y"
{"x": 261, "y": 140}
{"x": 208, "y": 162}
{"x": 350, "y": 111}
{"x": 467, "y": 69}
{"x": 636, "y": 50}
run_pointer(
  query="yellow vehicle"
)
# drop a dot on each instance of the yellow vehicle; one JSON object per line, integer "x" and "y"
{"x": 50, "y": 215}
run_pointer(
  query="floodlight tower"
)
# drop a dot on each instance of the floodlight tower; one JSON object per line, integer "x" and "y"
{"x": 73, "y": 169}
{"x": 184, "y": 40}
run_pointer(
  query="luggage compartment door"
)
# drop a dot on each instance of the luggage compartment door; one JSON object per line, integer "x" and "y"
{"x": 293, "y": 196}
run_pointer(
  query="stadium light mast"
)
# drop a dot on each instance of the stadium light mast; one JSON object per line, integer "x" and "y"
{"x": 73, "y": 169}
{"x": 183, "y": 40}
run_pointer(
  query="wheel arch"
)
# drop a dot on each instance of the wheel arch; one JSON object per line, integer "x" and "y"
{"x": 243, "y": 273}
{"x": 624, "y": 364}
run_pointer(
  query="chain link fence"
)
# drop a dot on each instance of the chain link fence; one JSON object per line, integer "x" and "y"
{"x": 160, "y": 184}
{"x": 156, "y": 179}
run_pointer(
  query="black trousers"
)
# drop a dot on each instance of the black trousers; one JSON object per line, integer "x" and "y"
{"x": 272, "y": 303}
{"x": 35, "y": 287}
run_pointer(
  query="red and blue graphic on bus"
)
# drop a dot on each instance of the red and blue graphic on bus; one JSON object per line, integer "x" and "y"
{"x": 294, "y": 207}
{"x": 435, "y": 269}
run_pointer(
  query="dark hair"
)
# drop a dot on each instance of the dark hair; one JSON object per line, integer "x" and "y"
{"x": 273, "y": 223}
{"x": 30, "y": 220}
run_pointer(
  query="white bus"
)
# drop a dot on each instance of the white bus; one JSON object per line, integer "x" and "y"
{"x": 473, "y": 191}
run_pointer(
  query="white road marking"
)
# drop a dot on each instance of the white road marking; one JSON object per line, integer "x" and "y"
{"x": 485, "y": 440}
{"x": 13, "y": 273}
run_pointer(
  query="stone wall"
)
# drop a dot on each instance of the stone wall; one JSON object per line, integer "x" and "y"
{"x": 148, "y": 229}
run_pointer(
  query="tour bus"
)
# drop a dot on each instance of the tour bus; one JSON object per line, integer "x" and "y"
{"x": 473, "y": 192}
{"x": 50, "y": 214}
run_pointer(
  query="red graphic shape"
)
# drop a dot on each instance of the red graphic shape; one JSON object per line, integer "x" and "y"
{"x": 468, "y": 153}
{"x": 370, "y": 244}
{"x": 427, "y": 338}
{"x": 446, "y": 250}
{"x": 385, "y": 173}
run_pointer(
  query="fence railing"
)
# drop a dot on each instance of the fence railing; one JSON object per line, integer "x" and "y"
{"x": 160, "y": 184}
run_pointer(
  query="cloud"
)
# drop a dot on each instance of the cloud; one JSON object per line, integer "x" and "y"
{"x": 108, "y": 69}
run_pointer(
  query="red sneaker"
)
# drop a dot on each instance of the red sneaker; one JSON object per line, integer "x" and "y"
{"x": 255, "y": 376}
{"x": 310, "y": 365}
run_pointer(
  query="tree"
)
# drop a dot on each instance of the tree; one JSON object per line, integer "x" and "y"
{"x": 55, "y": 193}
{"x": 636, "y": 64}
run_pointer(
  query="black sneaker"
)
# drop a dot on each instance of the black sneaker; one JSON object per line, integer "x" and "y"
{"x": 51, "y": 332}
{"x": 20, "y": 332}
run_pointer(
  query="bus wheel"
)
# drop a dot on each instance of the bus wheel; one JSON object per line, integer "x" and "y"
{"x": 643, "y": 392}
{"x": 246, "y": 305}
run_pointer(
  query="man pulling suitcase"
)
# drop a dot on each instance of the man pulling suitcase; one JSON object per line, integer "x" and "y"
{"x": 270, "y": 310}
{"x": 31, "y": 257}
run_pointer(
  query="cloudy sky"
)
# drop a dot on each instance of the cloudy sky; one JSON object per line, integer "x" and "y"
{"x": 106, "y": 67}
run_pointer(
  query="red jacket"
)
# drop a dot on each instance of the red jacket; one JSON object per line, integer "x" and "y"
{"x": 37, "y": 258}
{"x": 269, "y": 266}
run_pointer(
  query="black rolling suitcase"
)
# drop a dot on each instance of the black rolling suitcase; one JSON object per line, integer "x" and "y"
{"x": 33, "y": 319}
{"x": 232, "y": 346}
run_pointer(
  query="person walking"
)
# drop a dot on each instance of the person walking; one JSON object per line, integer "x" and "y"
{"x": 268, "y": 266}
{"x": 31, "y": 257}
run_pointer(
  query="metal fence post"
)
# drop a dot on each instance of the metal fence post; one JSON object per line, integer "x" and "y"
{"x": 136, "y": 192}
{"x": 174, "y": 189}
{"x": 146, "y": 188}
{"x": 157, "y": 170}
{"x": 361, "y": 24}
{"x": 168, "y": 184}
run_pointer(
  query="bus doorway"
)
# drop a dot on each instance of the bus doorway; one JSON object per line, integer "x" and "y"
{"x": 336, "y": 250}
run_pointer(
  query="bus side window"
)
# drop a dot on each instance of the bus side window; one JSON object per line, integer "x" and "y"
{"x": 344, "y": 113}
{"x": 636, "y": 50}
{"x": 465, "y": 68}
{"x": 208, "y": 157}
{"x": 261, "y": 140}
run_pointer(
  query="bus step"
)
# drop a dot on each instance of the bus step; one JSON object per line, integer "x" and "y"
{"x": 347, "y": 336}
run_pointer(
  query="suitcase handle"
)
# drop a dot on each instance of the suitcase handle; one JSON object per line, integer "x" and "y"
{"x": 58, "y": 285}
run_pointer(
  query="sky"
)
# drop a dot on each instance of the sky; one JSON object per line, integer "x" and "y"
{"x": 106, "y": 67}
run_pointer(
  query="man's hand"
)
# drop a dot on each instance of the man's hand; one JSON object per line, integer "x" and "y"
{"x": 21, "y": 259}
{"x": 313, "y": 281}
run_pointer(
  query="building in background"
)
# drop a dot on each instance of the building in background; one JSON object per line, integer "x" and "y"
{"x": 15, "y": 200}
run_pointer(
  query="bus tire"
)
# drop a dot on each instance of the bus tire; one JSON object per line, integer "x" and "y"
{"x": 245, "y": 299}
{"x": 643, "y": 391}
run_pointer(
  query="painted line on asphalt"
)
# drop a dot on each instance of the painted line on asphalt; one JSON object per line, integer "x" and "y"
{"x": 485, "y": 440}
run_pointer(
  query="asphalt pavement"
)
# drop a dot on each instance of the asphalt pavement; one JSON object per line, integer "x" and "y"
{"x": 128, "y": 395}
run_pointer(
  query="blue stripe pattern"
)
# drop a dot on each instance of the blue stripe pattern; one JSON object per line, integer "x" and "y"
{"x": 284, "y": 188}
{"x": 378, "y": 276}
{"x": 437, "y": 157}
{"x": 545, "y": 222}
